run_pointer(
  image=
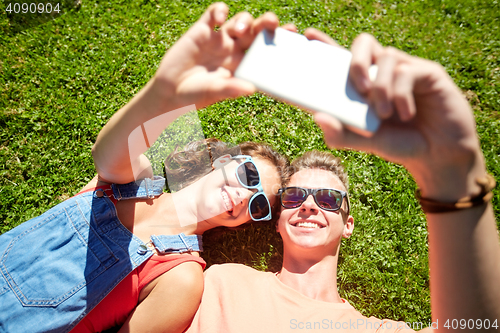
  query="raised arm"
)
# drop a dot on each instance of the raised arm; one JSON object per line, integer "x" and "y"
{"x": 197, "y": 71}
{"x": 428, "y": 127}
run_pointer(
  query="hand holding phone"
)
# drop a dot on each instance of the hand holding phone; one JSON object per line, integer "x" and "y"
{"x": 309, "y": 74}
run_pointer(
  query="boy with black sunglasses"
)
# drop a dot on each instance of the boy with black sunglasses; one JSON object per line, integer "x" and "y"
{"x": 427, "y": 126}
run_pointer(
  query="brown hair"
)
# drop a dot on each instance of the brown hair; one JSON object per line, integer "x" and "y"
{"x": 322, "y": 160}
{"x": 183, "y": 168}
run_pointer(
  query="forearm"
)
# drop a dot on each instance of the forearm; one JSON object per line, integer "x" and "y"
{"x": 464, "y": 253}
{"x": 436, "y": 140}
{"x": 197, "y": 70}
{"x": 464, "y": 257}
{"x": 118, "y": 149}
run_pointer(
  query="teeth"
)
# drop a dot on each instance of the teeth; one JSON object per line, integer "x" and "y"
{"x": 307, "y": 225}
{"x": 227, "y": 202}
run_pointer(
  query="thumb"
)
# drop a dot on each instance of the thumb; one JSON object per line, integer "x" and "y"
{"x": 336, "y": 135}
{"x": 332, "y": 129}
{"x": 232, "y": 88}
{"x": 315, "y": 34}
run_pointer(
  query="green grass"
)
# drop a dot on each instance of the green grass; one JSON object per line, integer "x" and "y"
{"x": 61, "y": 80}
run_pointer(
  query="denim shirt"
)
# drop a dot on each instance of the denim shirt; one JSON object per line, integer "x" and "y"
{"x": 55, "y": 268}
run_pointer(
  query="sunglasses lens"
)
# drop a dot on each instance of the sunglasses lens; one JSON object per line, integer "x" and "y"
{"x": 329, "y": 199}
{"x": 248, "y": 174}
{"x": 259, "y": 207}
{"x": 293, "y": 197}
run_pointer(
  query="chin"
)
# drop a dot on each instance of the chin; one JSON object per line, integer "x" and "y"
{"x": 305, "y": 243}
{"x": 232, "y": 224}
{"x": 308, "y": 246}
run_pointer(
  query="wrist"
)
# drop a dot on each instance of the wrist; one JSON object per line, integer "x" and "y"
{"x": 162, "y": 96}
{"x": 486, "y": 183}
{"x": 451, "y": 182}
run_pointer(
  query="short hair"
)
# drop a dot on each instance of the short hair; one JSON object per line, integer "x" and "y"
{"x": 322, "y": 160}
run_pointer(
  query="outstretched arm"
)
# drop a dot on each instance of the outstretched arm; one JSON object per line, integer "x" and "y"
{"x": 429, "y": 127}
{"x": 197, "y": 71}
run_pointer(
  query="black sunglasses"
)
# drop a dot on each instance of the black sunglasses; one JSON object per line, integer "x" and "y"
{"x": 329, "y": 199}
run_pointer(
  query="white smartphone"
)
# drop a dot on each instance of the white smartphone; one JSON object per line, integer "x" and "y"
{"x": 309, "y": 74}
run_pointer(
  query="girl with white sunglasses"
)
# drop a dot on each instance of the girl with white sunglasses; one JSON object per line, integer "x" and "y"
{"x": 122, "y": 252}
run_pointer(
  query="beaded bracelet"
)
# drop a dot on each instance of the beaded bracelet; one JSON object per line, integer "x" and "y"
{"x": 487, "y": 183}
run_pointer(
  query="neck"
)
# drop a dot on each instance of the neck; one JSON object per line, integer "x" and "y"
{"x": 315, "y": 278}
{"x": 170, "y": 217}
{"x": 178, "y": 211}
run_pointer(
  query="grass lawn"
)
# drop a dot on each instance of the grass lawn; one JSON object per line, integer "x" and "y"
{"x": 62, "y": 79}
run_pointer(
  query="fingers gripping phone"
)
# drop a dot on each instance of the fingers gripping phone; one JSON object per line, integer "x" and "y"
{"x": 309, "y": 74}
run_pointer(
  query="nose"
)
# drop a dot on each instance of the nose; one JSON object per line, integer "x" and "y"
{"x": 242, "y": 194}
{"x": 309, "y": 205}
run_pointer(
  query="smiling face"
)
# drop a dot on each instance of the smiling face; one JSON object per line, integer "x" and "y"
{"x": 309, "y": 227}
{"x": 226, "y": 200}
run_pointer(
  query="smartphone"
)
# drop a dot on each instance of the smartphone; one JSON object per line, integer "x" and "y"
{"x": 310, "y": 74}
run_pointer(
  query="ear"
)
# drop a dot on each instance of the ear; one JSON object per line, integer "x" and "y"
{"x": 348, "y": 227}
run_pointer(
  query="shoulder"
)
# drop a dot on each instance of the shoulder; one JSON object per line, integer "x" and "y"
{"x": 227, "y": 282}
{"x": 232, "y": 268}
{"x": 233, "y": 273}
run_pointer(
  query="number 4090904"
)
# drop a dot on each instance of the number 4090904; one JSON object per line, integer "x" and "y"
{"x": 18, "y": 8}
